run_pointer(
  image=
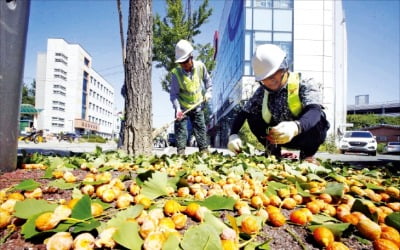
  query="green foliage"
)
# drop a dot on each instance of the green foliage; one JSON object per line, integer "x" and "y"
{"x": 218, "y": 203}
{"x": 28, "y": 93}
{"x": 27, "y": 185}
{"x": 247, "y": 136}
{"x": 30, "y": 207}
{"x": 157, "y": 185}
{"x": 368, "y": 120}
{"x": 127, "y": 235}
{"x": 203, "y": 236}
{"x": 329, "y": 145}
{"x": 176, "y": 25}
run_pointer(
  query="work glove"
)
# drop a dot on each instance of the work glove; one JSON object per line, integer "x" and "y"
{"x": 234, "y": 144}
{"x": 207, "y": 96}
{"x": 283, "y": 132}
{"x": 179, "y": 115}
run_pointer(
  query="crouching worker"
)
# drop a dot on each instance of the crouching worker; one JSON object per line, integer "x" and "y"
{"x": 285, "y": 111}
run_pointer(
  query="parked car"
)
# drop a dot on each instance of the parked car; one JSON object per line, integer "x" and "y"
{"x": 68, "y": 137}
{"x": 358, "y": 141}
{"x": 392, "y": 147}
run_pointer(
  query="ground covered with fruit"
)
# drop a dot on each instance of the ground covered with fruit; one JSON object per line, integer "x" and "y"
{"x": 109, "y": 200}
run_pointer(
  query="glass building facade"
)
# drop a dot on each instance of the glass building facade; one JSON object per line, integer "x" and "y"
{"x": 313, "y": 35}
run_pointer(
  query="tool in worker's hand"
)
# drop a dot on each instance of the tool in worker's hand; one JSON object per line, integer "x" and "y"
{"x": 158, "y": 131}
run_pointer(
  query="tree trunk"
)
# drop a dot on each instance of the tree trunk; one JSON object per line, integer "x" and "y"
{"x": 138, "y": 125}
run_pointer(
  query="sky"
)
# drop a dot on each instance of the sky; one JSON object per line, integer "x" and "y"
{"x": 373, "y": 28}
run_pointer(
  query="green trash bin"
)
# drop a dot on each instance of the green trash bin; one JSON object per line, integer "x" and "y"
{"x": 14, "y": 17}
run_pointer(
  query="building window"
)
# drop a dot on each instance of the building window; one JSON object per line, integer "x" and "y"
{"x": 262, "y": 19}
{"x": 87, "y": 62}
{"x": 282, "y": 20}
{"x": 283, "y": 4}
{"x": 263, "y": 3}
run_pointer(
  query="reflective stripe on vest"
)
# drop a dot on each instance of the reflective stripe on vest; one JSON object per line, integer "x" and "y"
{"x": 190, "y": 91}
{"x": 293, "y": 98}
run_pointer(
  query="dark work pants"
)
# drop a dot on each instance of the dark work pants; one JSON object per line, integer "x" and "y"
{"x": 307, "y": 142}
{"x": 196, "y": 117}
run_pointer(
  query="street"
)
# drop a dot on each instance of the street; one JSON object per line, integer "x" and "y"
{"x": 66, "y": 148}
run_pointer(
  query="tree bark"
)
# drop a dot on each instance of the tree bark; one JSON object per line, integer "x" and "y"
{"x": 138, "y": 127}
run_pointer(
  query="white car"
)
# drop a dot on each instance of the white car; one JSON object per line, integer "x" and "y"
{"x": 392, "y": 147}
{"x": 358, "y": 141}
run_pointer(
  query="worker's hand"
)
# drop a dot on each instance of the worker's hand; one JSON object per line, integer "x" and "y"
{"x": 234, "y": 144}
{"x": 207, "y": 96}
{"x": 179, "y": 114}
{"x": 283, "y": 132}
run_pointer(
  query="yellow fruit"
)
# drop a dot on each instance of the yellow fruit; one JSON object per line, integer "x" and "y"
{"x": 71, "y": 204}
{"x": 183, "y": 192}
{"x": 323, "y": 236}
{"x": 229, "y": 245}
{"x": 192, "y": 208}
{"x": 16, "y": 196}
{"x": 84, "y": 241}
{"x": 179, "y": 220}
{"x": 146, "y": 202}
{"x": 384, "y": 244}
{"x": 327, "y": 198}
{"x": 390, "y": 233}
{"x": 314, "y": 207}
{"x": 171, "y": 207}
{"x": 337, "y": 246}
{"x": 124, "y": 200}
{"x": 109, "y": 195}
{"x": 5, "y": 218}
{"x": 393, "y": 192}
{"x": 395, "y": 206}
{"x": 154, "y": 241}
{"x": 96, "y": 209}
{"x": 59, "y": 241}
{"x": 369, "y": 229}
{"x": 46, "y": 221}
{"x": 256, "y": 201}
{"x": 277, "y": 219}
{"x": 166, "y": 223}
{"x": 289, "y": 203}
{"x": 301, "y": 216}
{"x": 249, "y": 225}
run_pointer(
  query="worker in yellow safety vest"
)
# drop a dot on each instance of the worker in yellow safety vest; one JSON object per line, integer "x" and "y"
{"x": 285, "y": 111}
{"x": 190, "y": 85}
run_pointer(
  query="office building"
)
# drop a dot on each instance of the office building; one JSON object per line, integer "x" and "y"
{"x": 313, "y": 34}
{"x": 73, "y": 97}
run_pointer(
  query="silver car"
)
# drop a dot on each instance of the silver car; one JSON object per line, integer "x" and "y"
{"x": 392, "y": 147}
{"x": 358, "y": 141}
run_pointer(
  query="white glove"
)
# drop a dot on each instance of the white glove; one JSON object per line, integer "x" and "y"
{"x": 283, "y": 132}
{"x": 234, "y": 144}
{"x": 207, "y": 96}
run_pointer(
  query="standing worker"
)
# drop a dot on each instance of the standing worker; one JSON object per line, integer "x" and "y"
{"x": 285, "y": 111}
{"x": 186, "y": 91}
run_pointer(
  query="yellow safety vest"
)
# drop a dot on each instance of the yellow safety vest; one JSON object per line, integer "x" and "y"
{"x": 190, "y": 91}
{"x": 294, "y": 103}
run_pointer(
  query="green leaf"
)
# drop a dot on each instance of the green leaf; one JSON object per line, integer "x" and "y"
{"x": 62, "y": 184}
{"x": 201, "y": 237}
{"x": 171, "y": 243}
{"x": 301, "y": 191}
{"x": 336, "y": 228}
{"x": 322, "y": 218}
{"x": 120, "y": 217}
{"x": 82, "y": 209}
{"x": 29, "y": 227}
{"x": 335, "y": 189}
{"x": 85, "y": 226}
{"x": 374, "y": 186}
{"x": 359, "y": 206}
{"x": 127, "y": 235}
{"x": 393, "y": 220}
{"x": 26, "y": 185}
{"x": 156, "y": 186}
{"x": 30, "y": 207}
{"x": 255, "y": 174}
{"x": 216, "y": 202}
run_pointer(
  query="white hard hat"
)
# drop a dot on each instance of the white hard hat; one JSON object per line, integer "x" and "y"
{"x": 183, "y": 50}
{"x": 267, "y": 60}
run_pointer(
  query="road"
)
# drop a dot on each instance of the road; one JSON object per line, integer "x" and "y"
{"x": 67, "y": 148}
